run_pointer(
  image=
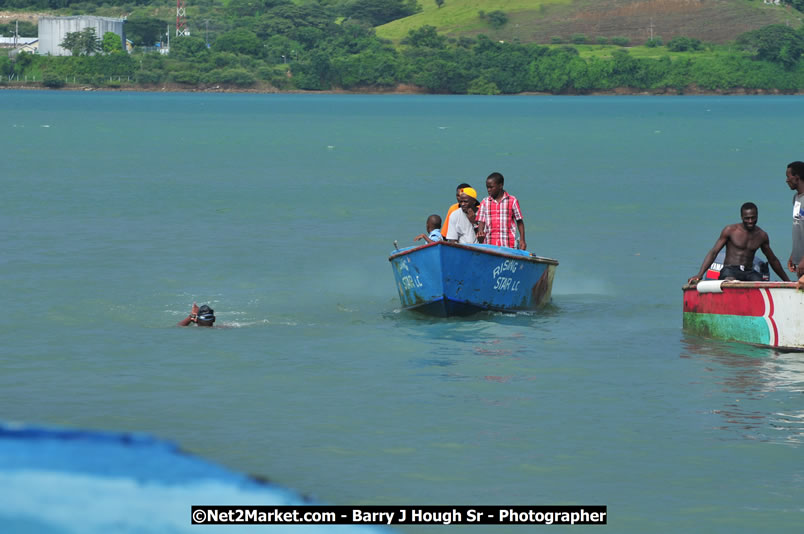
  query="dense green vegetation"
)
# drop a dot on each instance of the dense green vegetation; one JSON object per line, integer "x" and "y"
{"x": 331, "y": 44}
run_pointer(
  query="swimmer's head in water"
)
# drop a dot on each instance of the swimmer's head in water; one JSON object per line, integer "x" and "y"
{"x": 206, "y": 316}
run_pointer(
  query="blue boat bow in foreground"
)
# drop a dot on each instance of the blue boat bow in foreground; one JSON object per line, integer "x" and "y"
{"x": 68, "y": 481}
{"x": 444, "y": 278}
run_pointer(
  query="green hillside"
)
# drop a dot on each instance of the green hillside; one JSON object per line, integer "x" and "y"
{"x": 460, "y": 17}
{"x": 482, "y": 47}
{"x": 540, "y": 21}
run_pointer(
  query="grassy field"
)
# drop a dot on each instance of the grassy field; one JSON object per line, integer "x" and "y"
{"x": 716, "y": 21}
{"x": 462, "y": 16}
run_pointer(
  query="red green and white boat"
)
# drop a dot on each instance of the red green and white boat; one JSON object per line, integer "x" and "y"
{"x": 769, "y": 314}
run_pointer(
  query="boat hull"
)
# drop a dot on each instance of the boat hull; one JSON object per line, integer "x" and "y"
{"x": 769, "y": 314}
{"x": 446, "y": 279}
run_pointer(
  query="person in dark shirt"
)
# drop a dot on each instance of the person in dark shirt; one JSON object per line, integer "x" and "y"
{"x": 794, "y": 177}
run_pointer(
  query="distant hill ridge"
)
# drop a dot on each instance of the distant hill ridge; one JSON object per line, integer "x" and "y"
{"x": 716, "y": 21}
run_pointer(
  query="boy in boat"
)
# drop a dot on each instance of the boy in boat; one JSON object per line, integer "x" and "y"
{"x": 203, "y": 316}
{"x": 742, "y": 241}
{"x": 453, "y": 208}
{"x": 499, "y": 216}
{"x": 433, "y": 226}
{"x": 462, "y": 221}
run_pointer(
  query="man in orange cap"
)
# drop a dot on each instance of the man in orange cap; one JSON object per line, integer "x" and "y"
{"x": 462, "y": 221}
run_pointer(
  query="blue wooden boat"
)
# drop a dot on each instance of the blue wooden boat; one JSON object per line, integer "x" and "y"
{"x": 63, "y": 481}
{"x": 444, "y": 278}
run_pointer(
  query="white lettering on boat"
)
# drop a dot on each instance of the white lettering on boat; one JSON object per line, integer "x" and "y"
{"x": 505, "y": 283}
{"x": 507, "y": 265}
{"x": 410, "y": 282}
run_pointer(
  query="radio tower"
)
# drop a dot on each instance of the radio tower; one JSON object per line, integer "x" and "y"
{"x": 181, "y": 19}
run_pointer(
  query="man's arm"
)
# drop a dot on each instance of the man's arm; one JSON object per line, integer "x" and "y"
{"x": 480, "y": 218}
{"x": 481, "y": 231}
{"x": 516, "y": 213}
{"x": 471, "y": 214}
{"x": 190, "y": 318}
{"x": 710, "y": 256}
{"x": 773, "y": 260}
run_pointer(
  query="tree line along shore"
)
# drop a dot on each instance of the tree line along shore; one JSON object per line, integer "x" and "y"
{"x": 285, "y": 47}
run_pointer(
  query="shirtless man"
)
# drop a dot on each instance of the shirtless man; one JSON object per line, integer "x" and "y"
{"x": 742, "y": 241}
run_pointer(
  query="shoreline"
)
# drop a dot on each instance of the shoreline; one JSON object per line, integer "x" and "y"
{"x": 401, "y": 89}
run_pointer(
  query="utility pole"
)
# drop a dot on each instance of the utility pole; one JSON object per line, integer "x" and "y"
{"x": 651, "y": 28}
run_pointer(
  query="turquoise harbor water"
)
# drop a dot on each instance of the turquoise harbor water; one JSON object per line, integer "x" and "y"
{"x": 119, "y": 210}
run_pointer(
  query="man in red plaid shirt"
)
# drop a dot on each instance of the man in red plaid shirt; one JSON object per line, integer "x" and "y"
{"x": 499, "y": 216}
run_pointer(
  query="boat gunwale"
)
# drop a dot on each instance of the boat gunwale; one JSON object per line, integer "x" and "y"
{"x": 532, "y": 258}
{"x": 735, "y": 284}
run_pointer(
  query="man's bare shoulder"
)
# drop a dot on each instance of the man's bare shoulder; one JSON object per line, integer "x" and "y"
{"x": 762, "y": 233}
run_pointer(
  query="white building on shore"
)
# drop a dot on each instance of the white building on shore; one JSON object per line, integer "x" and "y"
{"x": 16, "y": 42}
{"x": 53, "y": 30}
